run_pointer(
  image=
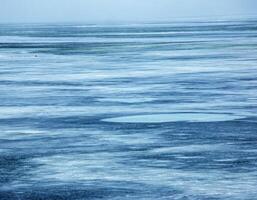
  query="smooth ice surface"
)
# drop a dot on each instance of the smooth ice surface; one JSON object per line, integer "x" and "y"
{"x": 173, "y": 117}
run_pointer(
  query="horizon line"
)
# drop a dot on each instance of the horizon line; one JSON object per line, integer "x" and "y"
{"x": 234, "y": 17}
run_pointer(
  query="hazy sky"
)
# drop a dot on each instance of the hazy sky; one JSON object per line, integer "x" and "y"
{"x": 120, "y": 10}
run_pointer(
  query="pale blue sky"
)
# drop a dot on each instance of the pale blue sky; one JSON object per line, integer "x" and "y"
{"x": 120, "y": 10}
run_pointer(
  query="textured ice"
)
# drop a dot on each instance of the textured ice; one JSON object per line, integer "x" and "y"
{"x": 61, "y": 86}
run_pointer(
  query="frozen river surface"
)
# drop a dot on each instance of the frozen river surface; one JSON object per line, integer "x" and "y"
{"x": 129, "y": 111}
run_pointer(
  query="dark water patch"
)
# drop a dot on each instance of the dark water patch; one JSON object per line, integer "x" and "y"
{"x": 93, "y": 190}
{"x": 61, "y": 100}
{"x": 39, "y": 83}
{"x": 52, "y": 122}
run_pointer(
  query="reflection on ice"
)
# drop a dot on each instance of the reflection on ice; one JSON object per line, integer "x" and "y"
{"x": 174, "y": 117}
